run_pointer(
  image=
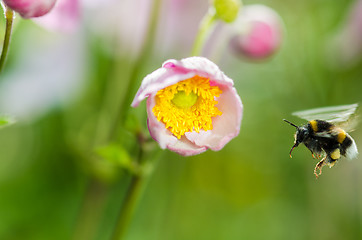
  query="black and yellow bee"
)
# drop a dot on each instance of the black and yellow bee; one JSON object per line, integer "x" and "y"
{"x": 325, "y": 134}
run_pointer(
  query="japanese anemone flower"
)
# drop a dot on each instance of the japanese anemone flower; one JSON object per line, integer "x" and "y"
{"x": 192, "y": 106}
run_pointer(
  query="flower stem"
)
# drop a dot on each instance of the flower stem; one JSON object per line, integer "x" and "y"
{"x": 135, "y": 189}
{"x": 91, "y": 210}
{"x": 205, "y": 26}
{"x": 9, "y": 16}
{"x": 146, "y": 161}
{"x": 129, "y": 206}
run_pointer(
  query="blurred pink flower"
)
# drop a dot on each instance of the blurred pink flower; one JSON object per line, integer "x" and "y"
{"x": 178, "y": 26}
{"x": 116, "y": 23}
{"x": 49, "y": 72}
{"x": 344, "y": 49}
{"x": 259, "y": 32}
{"x": 64, "y": 17}
{"x": 30, "y": 8}
{"x": 120, "y": 24}
{"x": 192, "y": 106}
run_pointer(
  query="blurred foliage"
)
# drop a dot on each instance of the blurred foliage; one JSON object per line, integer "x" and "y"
{"x": 50, "y": 187}
{"x": 6, "y": 121}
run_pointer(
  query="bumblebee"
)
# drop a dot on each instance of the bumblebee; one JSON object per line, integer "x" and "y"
{"x": 325, "y": 134}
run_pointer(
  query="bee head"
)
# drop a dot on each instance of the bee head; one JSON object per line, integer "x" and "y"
{"x": 299, "y": 137}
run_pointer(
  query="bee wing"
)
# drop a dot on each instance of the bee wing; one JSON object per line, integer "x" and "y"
{"x": 341, "y": 115}
{"x": 349, "y": 125}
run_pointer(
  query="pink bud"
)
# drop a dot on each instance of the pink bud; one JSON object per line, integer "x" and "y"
{"x": 258, "y": 32}
{"x": 30, "y": 8}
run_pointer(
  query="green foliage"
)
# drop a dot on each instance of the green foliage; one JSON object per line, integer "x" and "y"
{"x": 116, "y": 155}
{"x": 132, "y": 123}
{"x": 251, "y": 189}
{"x": 6, "y": 121}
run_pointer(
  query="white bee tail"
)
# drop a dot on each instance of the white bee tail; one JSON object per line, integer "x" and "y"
{"x": 352, "y": 151}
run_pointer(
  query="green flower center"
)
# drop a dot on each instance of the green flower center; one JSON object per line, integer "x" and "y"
{"x": 183, "y": 100}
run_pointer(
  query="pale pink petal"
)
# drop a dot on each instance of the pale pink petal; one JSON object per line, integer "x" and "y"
{"x": 156, "y": 81}
{"x": 225, "y": 127}
{"x": 30, "y": 8}
{"x": 202, "y": 67}
{"x": 173, "y": 71}
{"x": 165, "y": 138}
{"x": 185, "y": 147}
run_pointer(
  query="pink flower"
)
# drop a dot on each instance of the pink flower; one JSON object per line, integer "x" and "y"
{"x": 259, "y": 32}
{"x": 192, "y": 106}
{"x": 30, "y": 8}
{"x": 344, "y": 48}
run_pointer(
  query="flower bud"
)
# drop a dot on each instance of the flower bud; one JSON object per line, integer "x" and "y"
{"x": 30, "y": 8}
{"x": 227, "y": 10}
{"x": 258, "y": 32}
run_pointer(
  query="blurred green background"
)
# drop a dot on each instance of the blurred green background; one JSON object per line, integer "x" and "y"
{"x": 53, "y": 185}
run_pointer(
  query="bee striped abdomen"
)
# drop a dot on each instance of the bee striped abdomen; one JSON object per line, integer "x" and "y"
{"x": 333, "y": 140}
{"x": 341, "y": 135}
{"x": 347, "y": 142}
{"x": 349, "y": 148}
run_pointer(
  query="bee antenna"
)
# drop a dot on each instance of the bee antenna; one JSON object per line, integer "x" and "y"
{"x": 290, "y": 123}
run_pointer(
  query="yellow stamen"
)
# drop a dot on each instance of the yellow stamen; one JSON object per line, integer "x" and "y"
{"x": 187, "y": 106}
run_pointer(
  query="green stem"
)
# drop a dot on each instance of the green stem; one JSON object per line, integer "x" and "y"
{"x": 137, "y": 181}
{"x": 129, "y": 205}
{"x": 133, "y": 194}
{"x": 146, "y": 160}
{"x": 9, "y": 16}
{"x": 91, "y": 210}
{"x": 205, "y": 26}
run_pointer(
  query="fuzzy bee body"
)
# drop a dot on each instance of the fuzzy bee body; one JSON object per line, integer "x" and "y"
{"x": 324, "y": 138}
{"x": 330, "y": 139}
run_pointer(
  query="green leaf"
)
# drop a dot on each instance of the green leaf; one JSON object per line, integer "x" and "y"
{"x": 6, "y": 121}
{"x": 115, "y": 154}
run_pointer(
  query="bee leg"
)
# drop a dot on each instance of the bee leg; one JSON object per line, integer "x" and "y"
{"x": 314, "y": 156}
{"x": 319, "y": 166}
